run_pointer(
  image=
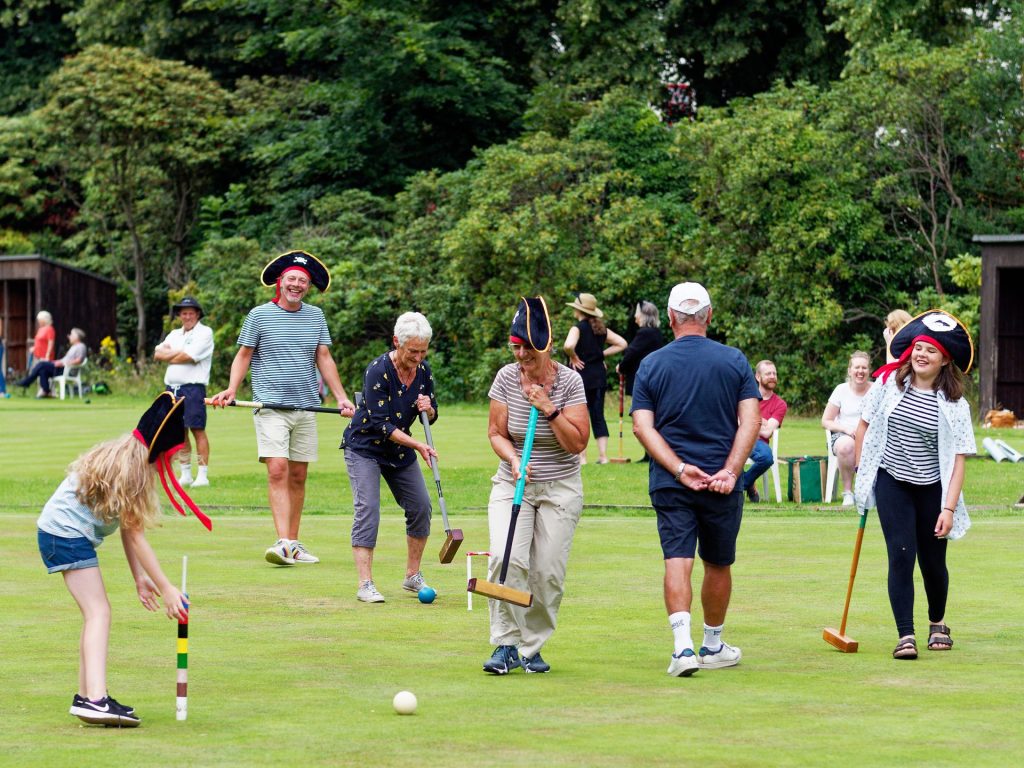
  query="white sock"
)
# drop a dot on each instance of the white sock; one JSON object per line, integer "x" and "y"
{"x": 713, "y": 637}
{"x": 202, "y": 471}
{"x": 680, "y": 623}
{"x": 186, "y": 472}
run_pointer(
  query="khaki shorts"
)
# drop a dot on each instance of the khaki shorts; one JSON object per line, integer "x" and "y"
{"x": 286, "y": 434}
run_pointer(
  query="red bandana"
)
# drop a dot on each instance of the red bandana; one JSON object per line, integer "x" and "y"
{"x": 888, "y": 368}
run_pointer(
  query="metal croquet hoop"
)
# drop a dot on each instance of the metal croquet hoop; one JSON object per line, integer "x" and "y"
{"x": 469, "y": 574}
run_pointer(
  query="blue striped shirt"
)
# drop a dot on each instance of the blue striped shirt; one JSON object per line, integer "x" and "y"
{"x": 912, "y": 441}
{"x": 283, "y": 363}
{"x": 65, "y": 516}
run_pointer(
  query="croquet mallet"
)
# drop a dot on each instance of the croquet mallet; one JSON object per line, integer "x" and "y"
{"x": 499, "y": 591}
{"x": 275, "y": 406}
{"x": 453, "y": 536}
{"x": 838, "y": 639}
{"x": 620, "y": 459}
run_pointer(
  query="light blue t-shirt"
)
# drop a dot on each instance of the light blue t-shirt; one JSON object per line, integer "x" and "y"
{"x": 65, "y": 516}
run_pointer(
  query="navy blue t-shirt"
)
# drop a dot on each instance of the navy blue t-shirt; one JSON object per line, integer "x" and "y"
{"x": 694, "y": 386}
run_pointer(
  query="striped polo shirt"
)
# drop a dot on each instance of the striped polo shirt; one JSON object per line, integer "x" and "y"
{"x": 912, "y": 441}
{"x": 549, "y": 460}
{"x": 65, "y": 516}
{"x": 284, "y": 358}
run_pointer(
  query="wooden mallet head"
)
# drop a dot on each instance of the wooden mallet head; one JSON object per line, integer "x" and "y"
{"x": 839, "y": 641}
{"x": 451, "y": 545}
{"x": 500, "y": 592}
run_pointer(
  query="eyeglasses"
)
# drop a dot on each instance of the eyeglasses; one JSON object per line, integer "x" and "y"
{"x": 516, "y": 348}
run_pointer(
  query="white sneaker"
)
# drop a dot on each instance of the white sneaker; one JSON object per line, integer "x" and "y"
{"x": 685, "y": 664}
{"x": 281, "y": 553}
{"x": 847, "y": 499}
{"x": 301, "y": 555}
{"x": 368, "y": 593}
{"x": 414, "y": 583}
{"x": 200, "y": 481}
{"x": 185, "y": 481}
{"x": 726, "y": 656}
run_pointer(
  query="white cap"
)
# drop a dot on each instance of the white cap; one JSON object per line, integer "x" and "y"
{"x": 689, "y": 298}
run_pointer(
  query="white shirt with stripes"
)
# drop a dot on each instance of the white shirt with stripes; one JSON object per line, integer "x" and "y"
{"x": 283, "y": 362}
{"x": 912, "y": 442}
{"x": 549, "y": 460}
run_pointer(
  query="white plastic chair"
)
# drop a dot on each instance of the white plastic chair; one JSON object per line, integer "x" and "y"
{"x": 832, "y": 470}
{"x": 773, "y": 470}
{"x": 70, "y": 377}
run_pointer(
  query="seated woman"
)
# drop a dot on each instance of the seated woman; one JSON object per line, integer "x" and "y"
{"x": 45, "y": 370}
{"x": 842, "y": 415}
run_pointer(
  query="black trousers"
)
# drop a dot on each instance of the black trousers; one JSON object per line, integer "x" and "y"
{"x": 907, "y": 514}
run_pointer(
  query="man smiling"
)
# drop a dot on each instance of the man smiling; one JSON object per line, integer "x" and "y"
{"x": 286, "y": 342}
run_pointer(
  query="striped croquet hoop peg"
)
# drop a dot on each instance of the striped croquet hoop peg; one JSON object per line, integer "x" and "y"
{"x": 469, "y": 575}
{"x": 181, "y": 702}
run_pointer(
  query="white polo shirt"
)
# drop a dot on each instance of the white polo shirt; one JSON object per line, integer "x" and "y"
{"x": 197, "y": 344}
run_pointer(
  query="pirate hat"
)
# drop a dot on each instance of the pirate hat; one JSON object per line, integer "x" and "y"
{"x": 940, "y": 328}
{"x": 187, "y": 303}
{"x": 531, "y": 325}
{"x": 307, "y": 262}
{"x": 162, "y": 426}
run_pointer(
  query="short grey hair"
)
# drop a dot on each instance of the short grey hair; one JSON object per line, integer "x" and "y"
{"x": 412, "y": 325}
{"x": 700, "y": 316}
{"x": 648, "y": 312}
{"x": 45, "y": 317}
{"x": 79, "y": 333}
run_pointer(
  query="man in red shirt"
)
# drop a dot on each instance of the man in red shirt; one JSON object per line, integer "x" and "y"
{"x": 773, "y": 411}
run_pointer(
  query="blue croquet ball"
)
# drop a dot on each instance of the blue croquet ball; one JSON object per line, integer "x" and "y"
{"x": 427, "y": 595}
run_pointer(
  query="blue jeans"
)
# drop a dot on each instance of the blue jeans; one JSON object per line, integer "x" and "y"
{"x": 763, "y": 460}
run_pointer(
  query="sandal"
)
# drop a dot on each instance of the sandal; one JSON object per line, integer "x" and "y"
{"x": 905, "y": 649}
{"x": 938, "y": 638}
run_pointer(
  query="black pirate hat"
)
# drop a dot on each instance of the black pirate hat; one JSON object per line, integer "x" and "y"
{"x": 187, "y": 303}
{"x": 162, "y": 426}
{"x": 162, "y": 430}
{"x": 318, "y": 274}
{"x": 936, "y": 325}
{"x": 531, "y": 324}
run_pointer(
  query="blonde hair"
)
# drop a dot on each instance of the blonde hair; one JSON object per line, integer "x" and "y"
{"x": 117, "y": 482}
{"x": 897, "y": 319}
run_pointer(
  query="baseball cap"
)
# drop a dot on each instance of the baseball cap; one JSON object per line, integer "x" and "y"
{"x": 689, "y": 298}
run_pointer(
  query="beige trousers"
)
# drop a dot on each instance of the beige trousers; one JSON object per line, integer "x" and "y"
{"x": 540, "y": 552}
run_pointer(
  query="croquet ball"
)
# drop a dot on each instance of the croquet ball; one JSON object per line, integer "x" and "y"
{"x": 427, "y": 595}
{"x": 404, "y": 702}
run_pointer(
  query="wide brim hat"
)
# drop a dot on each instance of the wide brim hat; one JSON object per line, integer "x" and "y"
{"x": 187, "y": 303}
{"x": 936, "y": 325}
{"x": 162, "y": 426}
{"x": 531, "y": 324}
{"x": 587, "y": 304}
{"x": 317, "y": 271}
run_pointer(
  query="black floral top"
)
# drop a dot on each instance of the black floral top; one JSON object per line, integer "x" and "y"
{"x": 388, "y": 405}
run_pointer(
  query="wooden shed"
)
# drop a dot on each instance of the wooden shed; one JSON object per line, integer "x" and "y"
{"x": 1001, "y": 346}
{"x": 75, "y": 298}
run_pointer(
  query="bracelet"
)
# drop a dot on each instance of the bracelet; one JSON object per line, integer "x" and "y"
{"x": 679, "y": 472}
{"x": 554, "y": 414}
{"x": 948, "y": 509}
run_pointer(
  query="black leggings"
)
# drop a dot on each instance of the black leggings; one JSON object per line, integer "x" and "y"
{"x": 595, "y": 406}
{"x": 907, "y": 514}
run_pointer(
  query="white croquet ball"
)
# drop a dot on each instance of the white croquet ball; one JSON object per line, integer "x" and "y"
{"x": 404, "y": 702}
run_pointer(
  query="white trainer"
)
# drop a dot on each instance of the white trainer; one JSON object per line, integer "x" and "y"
{"x": 847, "y": 499}
{"x": 368, "y": 593}
{"x": 301, "y": 555}
{"x": 414, "y": 583}
{"x": 200, "y": 481}
{"x": 726, "y": 656}
{"x": 185, "y": 480}
{"x": 685, "y": 664}
{"x": 280, "y": 553}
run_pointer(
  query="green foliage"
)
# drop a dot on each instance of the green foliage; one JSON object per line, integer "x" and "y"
{"x": 33, "y": 40}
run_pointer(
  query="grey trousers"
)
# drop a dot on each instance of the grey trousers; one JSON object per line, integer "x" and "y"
{"x": 540, "y": 552}
{"x": 407, "y": 486}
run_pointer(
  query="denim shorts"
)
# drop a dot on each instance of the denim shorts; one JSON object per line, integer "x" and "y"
{"x": 61, "y": 554}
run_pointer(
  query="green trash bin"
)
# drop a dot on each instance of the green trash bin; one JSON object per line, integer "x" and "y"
{"x": 806, "y": 478}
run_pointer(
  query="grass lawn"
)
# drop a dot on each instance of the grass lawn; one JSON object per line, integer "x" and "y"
{"x": 286, "y": 666}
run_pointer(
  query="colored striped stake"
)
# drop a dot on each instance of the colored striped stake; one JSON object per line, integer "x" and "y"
{"x": 181, "y": 708}
{"x": 469, "y": 574}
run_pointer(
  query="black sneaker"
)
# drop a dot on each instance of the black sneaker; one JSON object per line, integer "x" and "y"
{"x": 80, "y": 701}
{"x": 504, "y": 659}
{"x": 106, "y": 711}
{"x": 753, "y": 495}
{"x": 535, "y": 664}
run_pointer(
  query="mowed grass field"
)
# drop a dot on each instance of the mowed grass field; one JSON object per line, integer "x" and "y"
{"x": 287, "y": 667}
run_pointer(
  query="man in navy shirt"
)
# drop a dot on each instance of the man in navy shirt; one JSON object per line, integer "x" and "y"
{"x": 695, "y": 410}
